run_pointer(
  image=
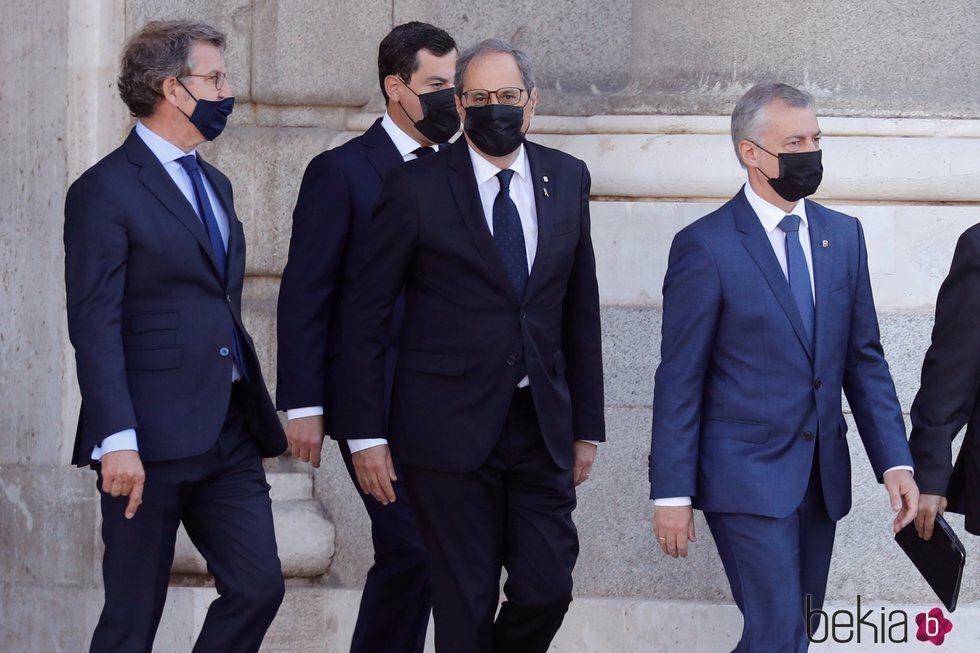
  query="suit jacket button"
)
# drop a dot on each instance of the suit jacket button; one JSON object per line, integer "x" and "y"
{"x": 523, "y": 315}
{"x": 512, "y": 360}
{"x": 808, "y": 435}
{"x": 223, "y": 352}
{"x": 818, "y": 384}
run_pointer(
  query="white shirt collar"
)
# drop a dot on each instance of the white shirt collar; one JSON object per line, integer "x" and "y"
{"x": 769, "y": 215}
{"x": 162, "y": 149}
{"x": 404, "y": 143}
{"x": 484, "y": 170}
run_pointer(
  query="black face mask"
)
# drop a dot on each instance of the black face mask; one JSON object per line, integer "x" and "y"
{"x": 210, "y": 116}
{"x": 440, "y": 120}
{"x": 800, "y": 174}
{"x": 495, "y": 129}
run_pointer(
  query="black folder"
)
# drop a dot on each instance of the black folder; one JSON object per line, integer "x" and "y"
{"x": 940, "y": 560}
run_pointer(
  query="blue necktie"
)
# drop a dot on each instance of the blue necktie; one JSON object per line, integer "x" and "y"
{"x": 798, "y": 272}
{"x": 206, "y": 213}
{"x": 509, "y": 234}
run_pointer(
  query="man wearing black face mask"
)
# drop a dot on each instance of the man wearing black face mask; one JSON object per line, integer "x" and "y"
{"x": 768, "y": 316}
{"x": 416, "y": 62}
{"x": 175, "y": 415}
{"x": 497, "y": 402}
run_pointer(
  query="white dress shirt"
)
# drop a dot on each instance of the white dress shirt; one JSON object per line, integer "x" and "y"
{"x": 770, "y": 216}
{"x": 406, "y": 146}
{"x": 168, "y": 154}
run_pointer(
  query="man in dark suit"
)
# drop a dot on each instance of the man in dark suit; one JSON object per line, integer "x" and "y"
{"x": 416, "y": 63}
{"x": 949, "y": 397}
{"x": 499, "y": 370}
{"x": 175, "y": 415}
{"x": 768, "y": 315}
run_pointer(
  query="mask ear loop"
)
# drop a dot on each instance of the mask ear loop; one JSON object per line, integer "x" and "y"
{"x": 413, "y": 120}
{"x": 188, "y": 92}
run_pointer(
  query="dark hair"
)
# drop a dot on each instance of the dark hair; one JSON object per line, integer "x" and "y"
{"x": 161, "y": 49}
{"x": 495, "y": 46}
{"x": 398, "y": 53}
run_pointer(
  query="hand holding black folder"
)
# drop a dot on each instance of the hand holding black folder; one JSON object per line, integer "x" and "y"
{"x": 940, "y": 560}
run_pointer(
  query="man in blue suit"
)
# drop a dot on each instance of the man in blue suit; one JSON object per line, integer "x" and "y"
{"x": 175, "y": 415}
{"x": 416, "y": 64}
{"x": 768, "y": 315}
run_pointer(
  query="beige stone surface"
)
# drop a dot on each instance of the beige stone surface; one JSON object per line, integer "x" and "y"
{"x": 317, "y": 53}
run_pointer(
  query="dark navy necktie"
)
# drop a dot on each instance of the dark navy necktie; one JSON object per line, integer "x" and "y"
{"x": 425, "y": 150}
{"x": 509, "y": 234}
{"x": 798, "y": 272}
{"x": 206, "y": 213}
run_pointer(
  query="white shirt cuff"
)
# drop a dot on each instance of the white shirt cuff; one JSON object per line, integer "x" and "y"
{"x": 672, "y": 502}
{"x": 891, "y": 469}
{"x": 309, "y": 411}
{"x": 595, "y": 442}
{"x": 366, "y": 443}
{"x": 122, "y": 441}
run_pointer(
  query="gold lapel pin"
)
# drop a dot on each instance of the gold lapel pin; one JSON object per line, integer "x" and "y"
{"x": 825, "y": 243}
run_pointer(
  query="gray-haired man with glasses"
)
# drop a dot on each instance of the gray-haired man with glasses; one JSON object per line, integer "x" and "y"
{"x": 497, "y": 402}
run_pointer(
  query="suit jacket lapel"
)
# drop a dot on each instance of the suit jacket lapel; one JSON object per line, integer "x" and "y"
{"x": 157, "y": 180}
{"x": 544, "y": 207}
{"x": 462, "y": 181}
{"x": 821, "y": 267}
{"x": 757, "y": 243}
{"x": 381, "y": 152}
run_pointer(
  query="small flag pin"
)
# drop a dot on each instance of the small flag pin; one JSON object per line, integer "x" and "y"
{"x": 545, "y": 178}
{"x": 545, "y": 191}
{"x": 825, "y": 243}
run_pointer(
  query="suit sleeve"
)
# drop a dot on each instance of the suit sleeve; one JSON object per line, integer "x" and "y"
{"x": 96, "y": 253}
{"x": 307, "y": 294}
{"x": 692, "y": 306}
{"x": 357, "y": 391}
{"x": 951, "y": 370}
{"x": 867, "y": 380}
{"x": 582, "y": 333}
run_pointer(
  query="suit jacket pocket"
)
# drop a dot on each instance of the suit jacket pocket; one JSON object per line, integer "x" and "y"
{"x": 445, "y": 364}
{"x": 757, "y": 432}
{"x": 156, "y": 321}
{"x": 840, "y": 284}
{"x": 154, "y": 359}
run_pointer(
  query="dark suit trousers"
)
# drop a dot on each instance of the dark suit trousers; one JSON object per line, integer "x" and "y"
{"x": 397, "y": 596}
{"x": 514, "y": 512}
{"x": 222, "y": 498}
{"x": 772, "y": 565}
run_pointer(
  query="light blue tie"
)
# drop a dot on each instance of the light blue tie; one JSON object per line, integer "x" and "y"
{"x": 798, "y": 273}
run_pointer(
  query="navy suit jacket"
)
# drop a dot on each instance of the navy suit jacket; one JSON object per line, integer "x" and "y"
{"x": 333, "y": 211}
{"x": 741, "y": 397}
{"x": 949, "y": 396}
{"x": 148, "y": 314}
{"x": 465, "y": 331}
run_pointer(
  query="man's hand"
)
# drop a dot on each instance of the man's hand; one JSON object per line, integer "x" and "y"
{"x": 929, "y": 506}
{"x": 584, "y": 458}
{"x": 904, "y": 496}
{"x": 375, "y": 472}
{"x": 674, "y": 528}
{"x": 123, "y": 476}
{"x": 305, "y": 438}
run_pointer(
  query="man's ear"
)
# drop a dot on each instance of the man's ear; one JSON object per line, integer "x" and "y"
{"x": 170, "y": 89}
{"x": 533, "y": 101}
{"x": 393, "y": 87}
{"x": 749, "y": 153}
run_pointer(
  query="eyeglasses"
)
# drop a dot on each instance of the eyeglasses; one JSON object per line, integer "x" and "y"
{"x": 479, "y": 97}
{"x": 218, "y": 79}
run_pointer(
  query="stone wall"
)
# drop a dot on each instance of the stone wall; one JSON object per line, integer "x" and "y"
{"x": 637, "y": 89}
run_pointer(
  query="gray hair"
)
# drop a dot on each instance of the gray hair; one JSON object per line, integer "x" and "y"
{"x": 750, "y": 112}
{"x": 161, "y": 49}
{"x": 491, "y": 46}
